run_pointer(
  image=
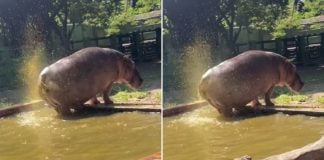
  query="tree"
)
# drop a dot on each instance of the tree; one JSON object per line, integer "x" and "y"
{"x": 219, "y": 18}
{"x": 61, "y": 16}
{"x": 290, "y": 22}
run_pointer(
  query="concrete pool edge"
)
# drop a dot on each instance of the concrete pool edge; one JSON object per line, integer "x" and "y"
{"x": 118, "y": 107}
{"x": 312, "y": 151}
{"x": 259, "y": 110}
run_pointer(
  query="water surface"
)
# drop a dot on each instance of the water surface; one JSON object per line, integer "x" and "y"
{"x": 40, "y": 134}
{"x": 203, "y": 134}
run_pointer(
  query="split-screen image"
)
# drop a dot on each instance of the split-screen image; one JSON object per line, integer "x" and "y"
{"x": 161, "y": 79}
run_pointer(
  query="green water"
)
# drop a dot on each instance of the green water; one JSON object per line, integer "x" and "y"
{"x": 41, "y": 135}
{"x": 203, "y": 134}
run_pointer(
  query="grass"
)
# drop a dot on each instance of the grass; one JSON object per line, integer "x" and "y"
{"x": 320, "y": 99}
{"x": 127, "y": 96}
{"x": 157, "y": 97}
{"x": 4, "y": 104}
{"x": 287, "y": 98}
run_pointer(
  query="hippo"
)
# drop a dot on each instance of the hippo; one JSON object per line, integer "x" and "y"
{"x": 238, "y": 81}
{"x": 73, "y": 80}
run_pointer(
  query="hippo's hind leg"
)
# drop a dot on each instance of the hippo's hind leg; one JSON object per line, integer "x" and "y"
{"x": 106, "y": 93}
{"x": 64, "y": 111}
{"x": 268, "y": 96}
{"x": 226, "y": 111}
{"x": 255, "y": 102}
{"x": 94, "y": 101}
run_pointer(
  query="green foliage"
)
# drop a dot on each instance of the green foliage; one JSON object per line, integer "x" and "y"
{"x": 260, "y": 15}
{"x": 320, "y": 99}
{"x": 290, "y": 22}
{"x": 287, "y": 99}
{"x": 287, "y": 25}
{"x": 126, "y": 96}
{"x": 143, "y": 6}
{"x": 124, "y": 19}
{"x": 121, "y": 21}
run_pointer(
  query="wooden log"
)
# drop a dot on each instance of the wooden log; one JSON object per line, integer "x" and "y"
{"x": 8, "y": 111}
{"x": 182, "y": 108}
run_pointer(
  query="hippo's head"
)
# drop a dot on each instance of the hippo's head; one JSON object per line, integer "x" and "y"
{"x": 131, "y": 74}
{"x": 296, "y": 84}
{"x": 293, "y": 80}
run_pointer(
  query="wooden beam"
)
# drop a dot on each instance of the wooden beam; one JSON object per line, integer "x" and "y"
{"x": 182, "y": 108}
{"x": 10, "y": 110}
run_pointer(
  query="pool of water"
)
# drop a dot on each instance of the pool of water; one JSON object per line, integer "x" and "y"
{"x": 203, "y": 134}
{"x": 41, "y": 134}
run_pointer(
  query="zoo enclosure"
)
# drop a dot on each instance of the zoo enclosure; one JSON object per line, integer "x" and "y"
{"x": 302, "y": 50}
{"x": 141, "y": 45}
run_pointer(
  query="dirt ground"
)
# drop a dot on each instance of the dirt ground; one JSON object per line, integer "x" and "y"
{"x": 150, "y": 72}
{"x": 313, "y": 77}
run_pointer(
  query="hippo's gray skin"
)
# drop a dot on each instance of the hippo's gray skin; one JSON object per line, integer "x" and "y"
{"x": 70, "y": 82}
{"x": 241, "y": 79}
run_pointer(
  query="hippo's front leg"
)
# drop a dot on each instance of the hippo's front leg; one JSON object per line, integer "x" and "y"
{"x": 268, "y": 96}
{"x": 105, "y": 95}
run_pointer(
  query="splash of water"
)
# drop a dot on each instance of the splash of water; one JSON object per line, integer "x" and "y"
{"x": 197, "y": 58}
{"x": 33, "y": 60}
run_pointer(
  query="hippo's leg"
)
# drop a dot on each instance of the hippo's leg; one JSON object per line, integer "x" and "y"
{"x": 64, "y": 111}
{"x": 106, "y": 94}
{"x": 255, "y": 102}
{"x": 94, "y": 101}
{"x": 226, "y": 111}
{"x": 268, "y": 96}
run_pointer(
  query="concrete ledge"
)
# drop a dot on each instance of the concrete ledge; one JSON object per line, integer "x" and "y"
{"x": 249, "y": 111}
{"x": 126, "y": 107}
{"x": 313, "y": 151}
{"x": 118, "y": 107}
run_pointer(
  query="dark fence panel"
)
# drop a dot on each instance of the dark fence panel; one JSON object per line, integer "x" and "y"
{"x": 141, "y": 45}
{"x": 302, "y": 50}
